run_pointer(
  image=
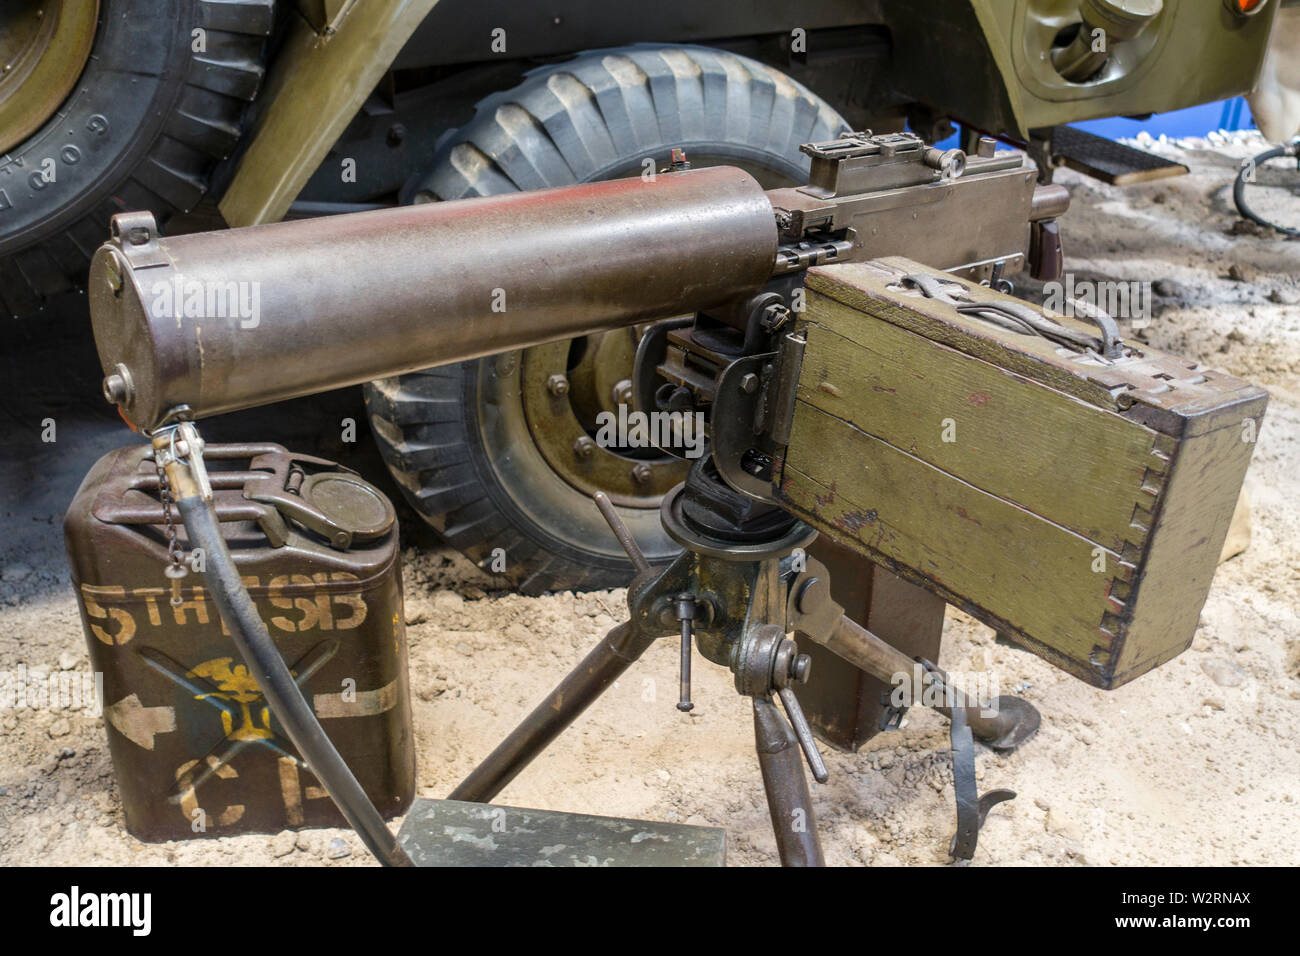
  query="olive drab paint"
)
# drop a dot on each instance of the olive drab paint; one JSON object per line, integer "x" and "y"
{"x": 194, "y": 746}
{"x": 1079, "y": 503}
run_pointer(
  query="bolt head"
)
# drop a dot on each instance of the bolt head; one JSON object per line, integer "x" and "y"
{"x": 118, "y": 385}
{"x": 115, "y": 389}
{"x": 623, "y": 392}
{"x": 641, "y": 473}
{"x": 801, "y": 668}
{"x": 584, "y": 447}
{"x": 813, "y": 592}
{"x": 557, "y": 385}
{"x": 774, "y": 317}
{"x": 749, "y": 383}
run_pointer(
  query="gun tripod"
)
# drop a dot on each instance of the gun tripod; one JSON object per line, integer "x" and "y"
{"x": 741, "y": 584}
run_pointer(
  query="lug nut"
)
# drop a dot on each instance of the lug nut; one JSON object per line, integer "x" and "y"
{"x": 641, "y": 473}
{"x": 623, "y": 392}
{"x": 584, "y": 447}
{"x": 557, "y": 385}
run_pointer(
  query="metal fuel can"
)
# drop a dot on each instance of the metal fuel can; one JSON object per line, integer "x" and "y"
{"x": 195, "y": 749}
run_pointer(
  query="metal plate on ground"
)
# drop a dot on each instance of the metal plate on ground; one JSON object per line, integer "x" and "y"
{"x": 456, "y": 833}
{"x": 1107, "y": 160}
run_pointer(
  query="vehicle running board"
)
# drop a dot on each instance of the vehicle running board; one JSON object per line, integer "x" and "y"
{"x": 1107, "y": 160}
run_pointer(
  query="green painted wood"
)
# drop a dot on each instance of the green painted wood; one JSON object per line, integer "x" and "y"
{"x": 872, "y": 288}
{"x": 1171, "y": 584}
{"x": 1083, "y": 504}
{"x": 1017, "y": 567}
{"x": 1192, "y": 409}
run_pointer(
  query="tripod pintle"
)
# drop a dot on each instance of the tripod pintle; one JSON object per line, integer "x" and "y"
{"x": 686, "y": 614}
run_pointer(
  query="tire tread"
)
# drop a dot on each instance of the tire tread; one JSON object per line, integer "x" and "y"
{"x": 567, "y": 123}
{"x": 172, "y": 175}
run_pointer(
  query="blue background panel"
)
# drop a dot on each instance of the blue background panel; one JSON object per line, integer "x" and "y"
{"x": 1230, "y": 114}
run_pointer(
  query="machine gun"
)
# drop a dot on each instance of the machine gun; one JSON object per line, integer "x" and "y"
{"x": 1063, "y": 486}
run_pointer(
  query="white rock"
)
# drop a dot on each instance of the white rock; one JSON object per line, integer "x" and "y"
{"x": 282, "y": 843}
{"x": 448, "y": 602}
{"x": 1224, "y": 673}
{"x": 1058, "y": 823}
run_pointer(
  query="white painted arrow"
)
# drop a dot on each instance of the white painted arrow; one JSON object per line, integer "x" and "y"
{"x": 138, "y": 723}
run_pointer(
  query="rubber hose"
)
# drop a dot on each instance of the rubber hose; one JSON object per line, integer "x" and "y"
{"x": 1239, "y": 189}
{"x": 282, "y": 693}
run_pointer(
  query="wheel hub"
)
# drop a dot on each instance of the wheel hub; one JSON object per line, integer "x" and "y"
{"x": 44, "y": 45}
{"x": 565, "y": 386}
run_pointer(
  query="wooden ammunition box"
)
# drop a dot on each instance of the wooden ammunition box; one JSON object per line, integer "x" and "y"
{"x": 1074, "y": 502}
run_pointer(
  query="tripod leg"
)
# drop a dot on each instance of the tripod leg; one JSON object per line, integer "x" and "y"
{"x": 1014, "y": 722}
{"x": 788, "y": 800}
{"x": 620, "y": 648}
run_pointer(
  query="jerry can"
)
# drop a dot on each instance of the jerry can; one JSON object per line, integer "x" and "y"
{"x": 194, "y": 747}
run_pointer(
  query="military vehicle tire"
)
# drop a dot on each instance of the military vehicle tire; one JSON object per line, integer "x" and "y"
{"x": 137, "y": 118}
{"x": 483, "y": 450}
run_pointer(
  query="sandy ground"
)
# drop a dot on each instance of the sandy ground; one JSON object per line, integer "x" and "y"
{"x": 1196, "y": 763}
